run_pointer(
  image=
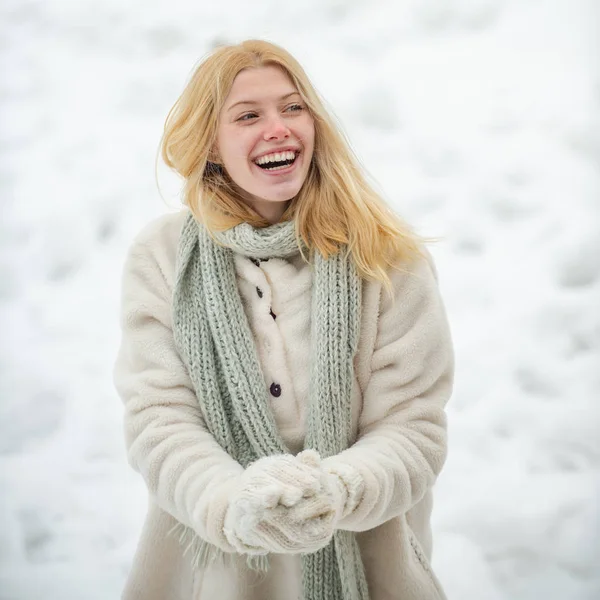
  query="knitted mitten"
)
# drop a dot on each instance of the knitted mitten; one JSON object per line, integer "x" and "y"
{"x": 342, "y": 488}
{"x": 310, "y": 523}
{"x": 279, "y": 481}
{"x": 349, "y": 482}
{"x": 265, "y": 520}
{"x": 283, "y": 530}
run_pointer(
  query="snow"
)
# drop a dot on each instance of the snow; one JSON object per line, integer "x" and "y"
{"x": 478, "y": 119}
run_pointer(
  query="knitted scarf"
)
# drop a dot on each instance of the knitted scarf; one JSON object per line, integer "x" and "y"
{"x": 216, "y": 344}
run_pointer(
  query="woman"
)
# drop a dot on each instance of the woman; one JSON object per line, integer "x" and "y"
{"x": 285, "y": 359}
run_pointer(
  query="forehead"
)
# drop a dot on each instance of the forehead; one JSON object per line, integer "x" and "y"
{"x": 259, "y": 83}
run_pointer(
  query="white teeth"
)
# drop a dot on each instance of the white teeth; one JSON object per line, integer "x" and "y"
{"x": 275, "y": 157}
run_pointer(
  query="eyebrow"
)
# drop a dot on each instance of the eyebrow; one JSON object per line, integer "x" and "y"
{"x": 255, "y": 102}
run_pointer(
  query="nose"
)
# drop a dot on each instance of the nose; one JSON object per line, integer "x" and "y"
{"x": 276, "y": 129}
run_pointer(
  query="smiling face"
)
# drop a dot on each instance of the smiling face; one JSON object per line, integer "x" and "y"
{"x": 265, "y": 139}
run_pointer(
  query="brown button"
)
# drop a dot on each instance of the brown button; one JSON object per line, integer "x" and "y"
{"x": 275, "y": 390}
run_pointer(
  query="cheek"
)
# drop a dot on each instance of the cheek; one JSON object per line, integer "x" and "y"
{"x": 239, "y": 150}
{"x": 310, "y": 135}
{"x": 230, "y": 146}
{"x": 309, "y": 142}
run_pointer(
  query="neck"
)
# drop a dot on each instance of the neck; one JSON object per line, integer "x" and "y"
{"x": 270, "y": 211}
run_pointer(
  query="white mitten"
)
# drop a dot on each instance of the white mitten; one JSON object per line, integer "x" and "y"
{"x": 271, "y": 482}
{"x": 349, "y": 482}
{"x": 309, "y": 524}
{"x": 342, "y": 488}
{"x": 303, "y": 528}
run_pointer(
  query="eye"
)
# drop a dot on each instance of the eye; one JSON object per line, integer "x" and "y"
{"x": 295, "y": 107}
{"x": 247, "y": 117}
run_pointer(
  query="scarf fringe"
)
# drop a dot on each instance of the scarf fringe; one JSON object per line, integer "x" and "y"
{"x": 204, "y": 554}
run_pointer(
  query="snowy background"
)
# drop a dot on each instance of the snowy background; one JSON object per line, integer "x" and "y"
{"x": 480, "y": 122}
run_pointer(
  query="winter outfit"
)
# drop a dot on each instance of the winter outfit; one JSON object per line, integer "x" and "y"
{"x": 220, "y": 340}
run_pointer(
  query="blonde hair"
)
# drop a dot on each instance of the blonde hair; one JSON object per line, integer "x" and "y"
{"x": 335, "y": 205}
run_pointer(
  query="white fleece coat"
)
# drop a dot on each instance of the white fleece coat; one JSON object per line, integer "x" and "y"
{"x": 403, "y": 379}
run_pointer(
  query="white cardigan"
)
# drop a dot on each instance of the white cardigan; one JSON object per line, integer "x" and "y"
{"x": 403, "y": 379}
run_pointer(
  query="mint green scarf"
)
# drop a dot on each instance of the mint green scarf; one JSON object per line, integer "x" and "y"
{"x": 215, "y": 341}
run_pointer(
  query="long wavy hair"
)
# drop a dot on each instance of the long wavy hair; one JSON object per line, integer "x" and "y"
{"x": 335, "y": 205}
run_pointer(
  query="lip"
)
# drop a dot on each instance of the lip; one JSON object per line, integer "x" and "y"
{"x": 277, "y": 150}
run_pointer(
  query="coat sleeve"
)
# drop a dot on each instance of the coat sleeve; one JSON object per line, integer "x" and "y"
{"x": 402, "y": 440}
{"x": 183, "y": 466}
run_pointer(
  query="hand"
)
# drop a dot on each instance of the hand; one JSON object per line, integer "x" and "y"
{"x": 342, "y": 488}
{"x": 271, "y": 482}
{"x": 291, "y": 505}
{"x": 306, "y": 527}
{"x": 349, "y": 481}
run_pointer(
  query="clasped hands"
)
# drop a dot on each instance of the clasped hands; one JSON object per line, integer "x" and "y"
{"x": 285, "y": 504}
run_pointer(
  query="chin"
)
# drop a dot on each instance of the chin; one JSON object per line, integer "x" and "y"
{"x": 282, "y": 198}
{"x": 279, "y": 196}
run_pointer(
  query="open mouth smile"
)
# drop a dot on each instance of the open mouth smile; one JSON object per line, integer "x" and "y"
{"x": 277, "y": 161}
